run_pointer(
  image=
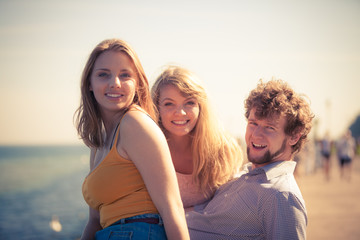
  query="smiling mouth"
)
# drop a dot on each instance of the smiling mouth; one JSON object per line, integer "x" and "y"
{"x": 180, "y": 122}
{"x": 258, "y": 146}
{"x": 114, "y": 95}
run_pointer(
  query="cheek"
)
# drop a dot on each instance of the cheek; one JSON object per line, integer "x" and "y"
{"x": 94, "y": 89}
{"x": 195, "y": 118}
{"x": 130, "y": 89}
{"x": 280, "y": 140}
{"x": 97, "y": 87}
{"x": 195, "y": 113}
{"x": 247, "y": 132}
{"x": 247, "y": 137}
{"x": 163, "y": 113}
{"x": 131, "y": 85}
{"x": 92, "y": 85}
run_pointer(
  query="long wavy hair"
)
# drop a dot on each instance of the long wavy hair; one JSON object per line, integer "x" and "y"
{"x": 88, "y": 118}
{"x": 216, "y": 155}
{"x": 276, "y": 97}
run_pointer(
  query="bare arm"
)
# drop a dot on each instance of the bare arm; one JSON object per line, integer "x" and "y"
{"x": 93, "y": 224}
{"x": 144, "y": 143}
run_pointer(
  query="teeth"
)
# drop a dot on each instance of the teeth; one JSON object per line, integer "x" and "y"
{"x": 259, "y": 145}
{"x": 179, "y": 122}
{"x": 113, "y": 95}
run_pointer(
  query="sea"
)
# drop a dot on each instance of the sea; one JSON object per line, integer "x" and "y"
{"x": 40, "y": 192}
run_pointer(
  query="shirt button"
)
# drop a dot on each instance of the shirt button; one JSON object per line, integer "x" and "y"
{"x": 186, "y": 215}
{"x": 205, "y": 213}
{"x": 246, "y": 177}
{"x": 226, "y": 195}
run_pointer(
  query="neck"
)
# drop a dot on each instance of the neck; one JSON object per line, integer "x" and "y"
{"x": 181, "y": 153}
{"x": 179, "y": 142}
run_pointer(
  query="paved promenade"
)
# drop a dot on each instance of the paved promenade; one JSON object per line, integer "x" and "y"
{"x": 333, "y": 206}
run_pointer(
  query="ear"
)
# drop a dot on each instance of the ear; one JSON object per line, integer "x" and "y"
{"x": 294, "y": 139}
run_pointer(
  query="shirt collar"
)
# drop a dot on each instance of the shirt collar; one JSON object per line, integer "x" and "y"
{"x": 272, "y": 170}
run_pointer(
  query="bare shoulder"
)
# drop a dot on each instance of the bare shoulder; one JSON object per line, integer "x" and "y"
{"x": 137, "y": 127}
{"x": 139, "y": 131}
{"x": 136, "y": 119}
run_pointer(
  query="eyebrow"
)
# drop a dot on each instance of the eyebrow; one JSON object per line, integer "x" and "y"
{"x": 107, "y": 69}
{"x": 170, "y": 99}
{"x": 127, "y": 70}
{"x": 101, "y": 69}
{"x": 166, "y": 99}
{"x": 191, "y": 98}
{"x": 273, "y": 124}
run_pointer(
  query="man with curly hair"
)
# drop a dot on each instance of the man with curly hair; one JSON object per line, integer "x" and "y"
{"x": 265, "y": 202}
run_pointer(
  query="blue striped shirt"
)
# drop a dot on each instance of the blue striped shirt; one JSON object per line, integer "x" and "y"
{"x": 263, "y": 203}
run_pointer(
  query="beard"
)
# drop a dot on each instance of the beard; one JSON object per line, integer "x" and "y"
{"x": 267, "y": 157}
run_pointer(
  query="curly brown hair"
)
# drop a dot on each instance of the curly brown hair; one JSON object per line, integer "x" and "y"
{"x": 275, "y": 98}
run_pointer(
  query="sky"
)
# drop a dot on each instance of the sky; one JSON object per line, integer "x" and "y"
{"x": 230, "y": 45}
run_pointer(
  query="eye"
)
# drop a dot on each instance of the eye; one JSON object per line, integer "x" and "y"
{"x": 252, "y": 123}
{"x": 270, "y": 128}
{"x": 125, "y": 75}
{"x": 102, "y": 74}
{"x": 167, "y": 104}
{"x": 191, "y": 103}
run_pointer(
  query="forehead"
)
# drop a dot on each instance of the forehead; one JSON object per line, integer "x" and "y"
{"x": 272, "y": 119}
{"x": 171, "y": 91}
{"x": 113, "y": 59}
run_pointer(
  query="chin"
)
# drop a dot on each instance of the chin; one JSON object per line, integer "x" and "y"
{"x": 265, "y": 158}
{"x": 259, "y": 161}
{"x": 179, "y": 134}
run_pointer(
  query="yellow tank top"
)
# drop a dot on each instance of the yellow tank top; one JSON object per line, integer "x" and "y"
{"x": 116, "y": 189}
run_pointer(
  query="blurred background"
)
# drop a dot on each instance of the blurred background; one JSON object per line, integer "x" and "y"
{"x": 229, "y": 44}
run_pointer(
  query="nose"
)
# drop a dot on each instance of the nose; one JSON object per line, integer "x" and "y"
{"x": 257, "y": 132}
{"x": 115, "y": 82}
{"x": 180, "y": 111}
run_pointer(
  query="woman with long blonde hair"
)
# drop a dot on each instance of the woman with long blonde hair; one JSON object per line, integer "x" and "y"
{"x": 131, "y": 188}
{"x": 204, "y": 156}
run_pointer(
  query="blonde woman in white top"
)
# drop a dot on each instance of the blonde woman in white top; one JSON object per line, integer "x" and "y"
{"x": 204, "y": 156}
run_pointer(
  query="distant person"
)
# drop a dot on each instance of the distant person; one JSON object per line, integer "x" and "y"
{"x": 265, "y": 202}
{"x": 346, "y": 151}
{"x": 131, "y": 188}
{"x": 325, "y": 154}
{"x": 203, "y": 155}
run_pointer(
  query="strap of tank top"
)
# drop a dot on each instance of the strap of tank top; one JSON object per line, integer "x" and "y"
{"x": 114, "y": 138}
{"x": 116, "y": 133}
